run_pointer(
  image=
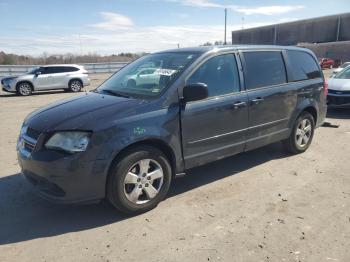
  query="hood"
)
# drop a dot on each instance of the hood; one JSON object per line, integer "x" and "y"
{"x": 90, "y": 111}
{"x": 339, "y": 84}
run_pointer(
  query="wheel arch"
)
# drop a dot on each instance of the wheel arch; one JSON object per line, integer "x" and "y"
{"x": 76, "y": 78}
{"x": 152, "y": 142}
{"x": 24, "y": 81}
{"x": 306, "y": 106}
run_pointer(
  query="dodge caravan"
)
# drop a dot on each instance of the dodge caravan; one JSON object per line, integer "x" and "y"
{"x": 127, "y": 142}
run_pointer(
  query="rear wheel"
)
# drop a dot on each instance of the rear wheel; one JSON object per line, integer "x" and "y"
{"x": 302, "y": 134}
{"x": 75, "y": 85}
{"x": 139, "y": 180}
{"x": 24, "y": 89}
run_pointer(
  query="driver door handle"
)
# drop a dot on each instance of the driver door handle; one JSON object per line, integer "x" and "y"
{"x": 257, "y": 100}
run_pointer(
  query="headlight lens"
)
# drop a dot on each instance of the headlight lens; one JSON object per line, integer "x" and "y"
{"x": 70, "y": 141}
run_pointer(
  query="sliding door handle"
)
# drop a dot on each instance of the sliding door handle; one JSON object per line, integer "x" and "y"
{"x": 239, "y": 105}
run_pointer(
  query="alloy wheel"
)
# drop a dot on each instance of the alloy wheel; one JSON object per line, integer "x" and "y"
{"x": 303, "y": 132}
{"x": 25, "y": 89}
{"x": 143, "y": 181}
{"x": 75, "y": 86}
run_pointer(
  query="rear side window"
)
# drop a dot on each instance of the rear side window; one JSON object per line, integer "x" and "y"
{"x": 70, "y": 69}
{"x": 265, "y": 68}
{"x": 303, "y": 66}
{"x": 219, "y": 73}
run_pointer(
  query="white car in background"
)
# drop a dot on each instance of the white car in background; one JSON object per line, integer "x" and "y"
{"x": 339, "y": 89}
{"x": 68, "y": 77}
{"x": 144, "y": 76}
{"x": 340, "y": 68}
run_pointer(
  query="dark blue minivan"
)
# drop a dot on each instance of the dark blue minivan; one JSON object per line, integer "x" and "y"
{"x": 168, "y": 112}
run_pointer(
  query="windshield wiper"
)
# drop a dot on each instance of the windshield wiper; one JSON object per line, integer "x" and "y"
{"x": 114, "y": 93}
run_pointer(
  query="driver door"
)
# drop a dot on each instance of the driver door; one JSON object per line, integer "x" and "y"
{"x": 43, "y": 80}
{"x": 215, "y": 127}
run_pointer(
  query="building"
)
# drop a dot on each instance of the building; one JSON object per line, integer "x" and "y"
{"x": 327, "y": 36}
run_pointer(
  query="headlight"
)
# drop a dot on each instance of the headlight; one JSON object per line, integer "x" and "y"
{"x": 70, "y": 141}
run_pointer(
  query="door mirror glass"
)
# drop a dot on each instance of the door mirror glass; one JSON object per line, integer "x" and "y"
{"x": 195, "y": 92}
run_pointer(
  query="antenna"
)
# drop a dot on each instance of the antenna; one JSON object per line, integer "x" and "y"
{"x": 225, "y": 25}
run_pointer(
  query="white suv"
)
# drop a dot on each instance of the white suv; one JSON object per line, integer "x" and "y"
{"x": 69, "y": 77}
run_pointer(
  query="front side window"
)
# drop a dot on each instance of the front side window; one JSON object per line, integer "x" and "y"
{"x": 303, "y": 65}
{"x": 344, "y": 74}
{"x": 264, "y": 68}
{"x": 219, "y": 73}
{"x": 149, "y": 75}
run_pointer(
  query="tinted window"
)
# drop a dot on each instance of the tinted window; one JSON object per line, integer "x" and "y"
{"x": 52, "y": 70}
{"x": 69, "y": 69}
{"x": 264, "y": 69}
{"x": 219, "y": 73}
{"x": 303, "y": 65}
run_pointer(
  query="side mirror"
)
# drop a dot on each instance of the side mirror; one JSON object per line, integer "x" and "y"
{"x": 195, "y": 92}
{"x": 37, "y": 73}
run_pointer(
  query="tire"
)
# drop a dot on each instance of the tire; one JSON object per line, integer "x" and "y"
{"x": 302, "y": 134}
{"x": 75, "y": 85}
{"x": 129, "y": 187}
{"x": 24, "y": 89}
{"x": 131, "y": 83}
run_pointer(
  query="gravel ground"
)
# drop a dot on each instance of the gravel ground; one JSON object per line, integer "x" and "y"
{"x": 263, "y": 205}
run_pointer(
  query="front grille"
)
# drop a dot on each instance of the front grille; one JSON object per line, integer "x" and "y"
{"x": 32, "y": 133}
{"x": 336, "y": 92}
{"x": 338, "y": 100}
{"x": 28, "y": 146}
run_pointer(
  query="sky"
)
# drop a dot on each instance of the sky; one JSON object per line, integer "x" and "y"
{"x": 104, "y": 27}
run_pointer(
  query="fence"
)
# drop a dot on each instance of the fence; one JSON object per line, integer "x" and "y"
{"x": 92, "y": 68}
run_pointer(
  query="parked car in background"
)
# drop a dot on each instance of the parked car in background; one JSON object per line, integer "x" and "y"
{"x": 143, "y": 76}
{"x": 339, "y": 89}
{"x": 69, "y": 77}
{"x": 326, "y": 63}
{"x": 341, "y": 67}
{"x": 126, "y": 143}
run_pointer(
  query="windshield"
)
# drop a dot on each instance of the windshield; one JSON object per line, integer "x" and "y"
{"x": 344, "y": 74}
{"x": 149, "y": 75}
{"x": 344, "y": 65}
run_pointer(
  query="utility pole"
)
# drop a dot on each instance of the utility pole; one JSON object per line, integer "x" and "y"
{"x": 225, "y": 25}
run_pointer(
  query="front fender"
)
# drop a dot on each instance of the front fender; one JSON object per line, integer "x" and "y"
{"x": 161, "y": 125}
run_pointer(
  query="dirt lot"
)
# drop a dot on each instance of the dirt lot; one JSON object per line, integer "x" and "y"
{"x": 259, "y": 206}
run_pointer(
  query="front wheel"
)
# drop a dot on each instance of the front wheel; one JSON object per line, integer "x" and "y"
{"x": 24, "y": 89}
{"x": 302, "y": 134}
{"x": 139, "y": 180}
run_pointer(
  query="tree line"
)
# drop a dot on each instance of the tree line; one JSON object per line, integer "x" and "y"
{"x": 45, "y": 59}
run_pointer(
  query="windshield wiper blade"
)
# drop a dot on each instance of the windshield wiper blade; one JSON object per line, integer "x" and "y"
{"x": 114, "y": 93}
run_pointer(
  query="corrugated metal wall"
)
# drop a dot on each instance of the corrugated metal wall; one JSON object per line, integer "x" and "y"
{"x": 317, "y": 30}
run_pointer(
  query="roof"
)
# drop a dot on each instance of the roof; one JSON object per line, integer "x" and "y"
{"x": 205, "y": 49}
{"x": 75, "y": 65}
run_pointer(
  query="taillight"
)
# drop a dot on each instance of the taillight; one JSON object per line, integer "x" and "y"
{"x": 325, "y": 88}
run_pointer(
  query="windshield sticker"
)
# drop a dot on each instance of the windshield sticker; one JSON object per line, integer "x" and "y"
{"x": 164, "y": 72}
